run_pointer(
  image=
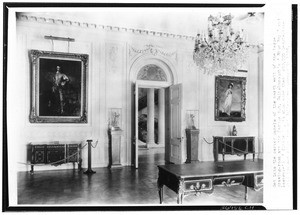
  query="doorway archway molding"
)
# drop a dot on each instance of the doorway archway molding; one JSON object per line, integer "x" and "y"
{"x": 134, "y": 68}
{"x": 162, "y": 62}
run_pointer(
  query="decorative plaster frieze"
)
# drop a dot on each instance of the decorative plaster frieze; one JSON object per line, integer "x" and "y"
{"x": 23, "y": 17}
{"x": 153, "y": 50}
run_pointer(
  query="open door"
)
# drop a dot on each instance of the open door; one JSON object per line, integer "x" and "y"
{"x": 174, "y": 124}
{"x": 136, "y": 118}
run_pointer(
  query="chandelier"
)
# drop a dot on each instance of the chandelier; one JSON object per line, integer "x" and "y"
{"x": 221, "y": 50}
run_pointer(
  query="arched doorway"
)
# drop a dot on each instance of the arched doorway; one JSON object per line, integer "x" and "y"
{"x": 151, "y": 107}
{"x": 151, "y": 75}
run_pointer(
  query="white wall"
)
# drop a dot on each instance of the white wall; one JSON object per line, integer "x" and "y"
{"x": 110, "y": 72}
{"x": 209, "y": 127}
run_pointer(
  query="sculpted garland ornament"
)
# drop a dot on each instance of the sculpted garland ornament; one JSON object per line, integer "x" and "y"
{"x": 151, "y": 49}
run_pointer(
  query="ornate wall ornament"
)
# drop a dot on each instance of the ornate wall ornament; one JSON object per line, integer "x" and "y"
{"x": 153, "y": 50}
{"x": 113, "y": 58}
{"x": 152, "y": 73}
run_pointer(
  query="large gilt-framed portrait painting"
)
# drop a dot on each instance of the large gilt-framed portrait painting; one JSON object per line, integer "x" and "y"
{"x": 230, "y": 98}
{"x": 58, "y": 87}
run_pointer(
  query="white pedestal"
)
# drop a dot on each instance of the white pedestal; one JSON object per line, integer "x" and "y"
{"x": 115, "y": 137}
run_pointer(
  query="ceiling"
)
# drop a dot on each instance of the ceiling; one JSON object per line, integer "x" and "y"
{"x": 183, "y": 21}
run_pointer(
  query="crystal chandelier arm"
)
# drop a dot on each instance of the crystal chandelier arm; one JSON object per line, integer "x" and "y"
{"x": 222, "y": 48}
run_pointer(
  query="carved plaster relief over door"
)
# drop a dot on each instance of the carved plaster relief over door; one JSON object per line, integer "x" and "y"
{"x": 151, "y": 50}
{"x": 152, "y": 73}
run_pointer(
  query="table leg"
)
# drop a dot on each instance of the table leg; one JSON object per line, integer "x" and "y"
{"x": 253, "y": 156}
{"x": 80, "y": 164}
{"x": 246, "y": 192}
{"x": 32, "y": 169}
{"x": 215, "y": 150}
{"x": 180, "y": 192}
{"x": 160, "y": 187}
{"x": 161, "y": 194}
{"x": 180, "y": 198}
{"x": 245, "y": 156}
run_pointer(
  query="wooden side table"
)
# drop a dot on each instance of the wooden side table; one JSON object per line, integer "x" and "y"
{"x": 54, "y": 154}
{"x": 234, "y": 145}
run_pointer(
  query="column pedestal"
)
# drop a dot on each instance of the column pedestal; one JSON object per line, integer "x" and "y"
{"x": 192, "y": 143}
{"x": 115, "y": 137}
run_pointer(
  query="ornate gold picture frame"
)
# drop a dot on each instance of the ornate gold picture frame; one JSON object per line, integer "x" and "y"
{"x": 58, "y": 87}
{"x": 230, "y": 98}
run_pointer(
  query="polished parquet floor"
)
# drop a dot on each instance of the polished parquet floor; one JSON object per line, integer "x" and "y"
{"x": 122, "y": 186}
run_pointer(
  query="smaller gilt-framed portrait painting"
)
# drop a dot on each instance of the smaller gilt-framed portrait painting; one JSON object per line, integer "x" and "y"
{"x": 230, "y": 98}
{"x": 58, "y": 87}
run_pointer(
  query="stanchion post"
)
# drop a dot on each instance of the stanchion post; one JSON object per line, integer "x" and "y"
{"x": 89, "y": 170}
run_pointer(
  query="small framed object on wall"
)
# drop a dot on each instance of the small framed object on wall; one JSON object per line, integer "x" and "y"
{"x": 58, "y": 87}
{"x": 230, "y": 98}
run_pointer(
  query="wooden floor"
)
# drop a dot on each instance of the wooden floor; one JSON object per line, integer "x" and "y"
{"x": 126, "y": 185}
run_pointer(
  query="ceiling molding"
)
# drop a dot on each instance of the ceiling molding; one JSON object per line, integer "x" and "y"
{"x": 23, "y": 17}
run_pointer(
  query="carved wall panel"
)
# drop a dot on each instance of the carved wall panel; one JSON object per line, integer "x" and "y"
{"x": 113, "y": 58}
